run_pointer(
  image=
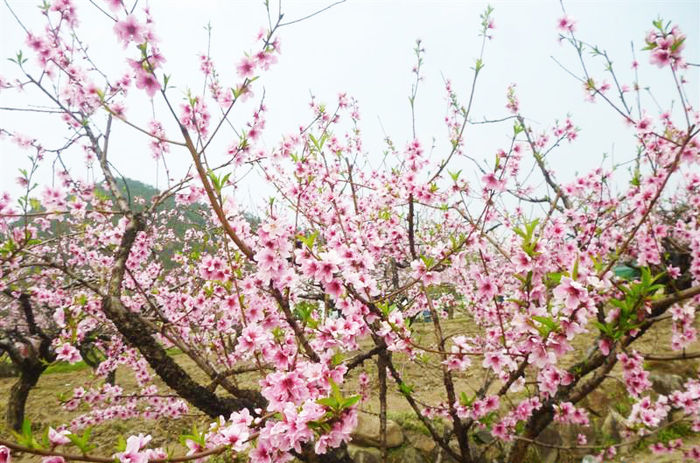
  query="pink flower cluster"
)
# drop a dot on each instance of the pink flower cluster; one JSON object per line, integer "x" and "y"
{"x": 195, "y": 116}
{"x": 683, "y": 333}
{"x": 135, "y": 451}
{"x": 649, "y": 413}
{"x": 635, "y": 376}
{"x": 566, "y": 412}
{"x": 505, "y": 428}
{"x": 68, "y": 353}
{"x": 666, "y": 47}
{"x": 479, "y": 408}
{"x": 566, "y": 24}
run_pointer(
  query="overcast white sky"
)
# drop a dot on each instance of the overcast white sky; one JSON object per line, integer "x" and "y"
{"x": 365, "y": 48}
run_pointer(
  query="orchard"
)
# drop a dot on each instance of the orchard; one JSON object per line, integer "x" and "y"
{"x": 279, "y": 328}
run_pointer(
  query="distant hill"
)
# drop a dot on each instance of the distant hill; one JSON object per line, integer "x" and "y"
{"x": 132, "y": 189}
{"x": 193, "y": 213}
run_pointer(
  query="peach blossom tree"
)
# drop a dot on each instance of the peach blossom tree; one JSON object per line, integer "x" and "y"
{"x": 338, "y": 271}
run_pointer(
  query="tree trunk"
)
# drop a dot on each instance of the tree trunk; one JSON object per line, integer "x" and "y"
{"x": 137, "y": 334}
{"x": 111, "y": 377}
{"x": 336, "y": 455}
{"x": 381, "y": 368}
{"x": 91, "y": 357}
{"x": 28, "y": 377}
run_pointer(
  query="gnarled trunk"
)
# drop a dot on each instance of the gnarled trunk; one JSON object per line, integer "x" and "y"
{"x": 29, "y": 376}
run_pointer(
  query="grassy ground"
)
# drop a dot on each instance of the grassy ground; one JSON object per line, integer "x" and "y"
{"x": 424, "y": 375}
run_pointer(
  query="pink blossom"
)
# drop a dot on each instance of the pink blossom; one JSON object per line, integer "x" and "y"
{"x": 134, "y": 450}
{"x": 58, "y": 437}
{"x": 262, "y": 453}
{"x": 265, "y": 59}
{"x": 693, "y": 453}
{"x": 5, "y": 455}
{"x": 571, "y": 292}
{"x": 130, "y": 30}
{"x": 67, "y": 11}
{"x": 246, "y": 67}
{"x": 513, "y": 104}
{"x": 666, "y": 47}
{"x": 523, "y": 262}
{"x": 486, "y": 286}
{"x": 114, "y": 5}
{"x": 492, "y": 182}
{"x": 68, "y": 353}
{"x": 493, "y": 360}
{"x": 334, "y": 288}
{"x": 565, "y": 23}
{"x": 236, "y": 436}
{"x": 53, "y": 459}
{"x": 636, "y": 378}
{"x": 147, "y": 81}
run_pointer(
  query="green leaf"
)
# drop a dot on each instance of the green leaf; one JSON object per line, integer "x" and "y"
{"x": 427, "y": 260}
{"x": 335, "y": 390}
{"x": 309, "y": 240}
{"x": 26, "y": 428}
{"x": 405, "y": 388}
{"x": 546, "y": 321}
{"x": 329, "y": 402}
{"x": 625, "y": 272}
{"x": 517, "y": 128}
{"x": 25, "y": 437}
{"x": 636, "y": 178}
{"x": 82, "y": 442}
{"x": 337, "y": 359}
{"x": 350, "y": 401}
{"x": 120, "y": 446}
{"x": 34, "y": 204}
{"x": 677, "y": 44}
{"x": 604, "y": 328}
{"x": 318, "y": 143}
{"x": 554, "y": 278}
{"x": 465, "y": 399}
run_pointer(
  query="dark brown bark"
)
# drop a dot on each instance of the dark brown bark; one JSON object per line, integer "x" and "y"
{"x": 339, "y": 455}
{"x": 111, "y": 377}
{"x": 91, "y": 358}
{"x": 381, "y": 368}
{"x": 30, "y": 354}
{"x": 136, "y": 332}
{"x": 30, "y": 371}
{"x": 458, "y": 426}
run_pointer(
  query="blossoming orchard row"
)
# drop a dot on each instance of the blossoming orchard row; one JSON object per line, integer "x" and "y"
{"x": 339, "y": 270}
